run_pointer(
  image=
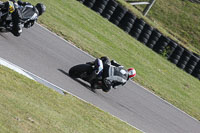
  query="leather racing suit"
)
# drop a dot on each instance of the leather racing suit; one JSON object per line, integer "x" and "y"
{"x": 113, "y": 74}
{"x": 25, "y": 15}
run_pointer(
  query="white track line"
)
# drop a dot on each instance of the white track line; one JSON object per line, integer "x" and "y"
{"x": 49, "y": 84}
{"x": 14, "y": 67}
{"x": 131, "y": 80}
{"x": 25, "y": 73}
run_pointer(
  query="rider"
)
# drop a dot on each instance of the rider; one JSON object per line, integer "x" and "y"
{"x": 114, "y": 74}
{"x": 25, "y": 11}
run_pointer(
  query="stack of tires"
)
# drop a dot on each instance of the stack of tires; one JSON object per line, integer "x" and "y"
{"x": 109, "y": 9}
{"x": 89, "y": 3}
{"x": 196, "y": 72}
{"x": 161, "y": 44}
{"x": 100, "y": 5}
{"x": 184, "y": 59}
{"x": 137, "y": 28}
{"x": 146, "y": 33}
{"x": 118, "y": 14}
{"x": 81, "y": 1}
{"x": 176, "y": 55}
{"x": 170, "y": 48}
{"x": 191, "y": 64}
{"x": 127, "y": 21}
{"x": 153, "y": 38}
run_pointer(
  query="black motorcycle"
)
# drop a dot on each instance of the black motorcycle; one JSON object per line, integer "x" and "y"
{"x": 6, "y": 10}
{"x": 90, "y": 72}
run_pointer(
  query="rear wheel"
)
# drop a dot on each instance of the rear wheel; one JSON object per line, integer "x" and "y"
{"x": 78, "y": 70}
{"x": 106, "y": 89}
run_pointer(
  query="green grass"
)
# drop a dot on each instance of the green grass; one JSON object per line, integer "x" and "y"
{"x": 180, "y": 18}
{"x": 96, "y": 35}
{"x": 89, "y": 31}
{"x": 29, "y": 107}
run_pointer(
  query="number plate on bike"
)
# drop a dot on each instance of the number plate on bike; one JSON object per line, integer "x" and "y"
{"x": 11, "y": 7}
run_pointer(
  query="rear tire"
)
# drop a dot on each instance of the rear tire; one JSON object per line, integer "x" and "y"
{"x": 77, "y": 70}
{"x": 105, "y": 89}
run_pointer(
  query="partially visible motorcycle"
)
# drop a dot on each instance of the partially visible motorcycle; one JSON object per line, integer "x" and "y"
{"x": 6, "y": 10}
{"x": 90, "y": 72}
{"x": 6, "y": 16}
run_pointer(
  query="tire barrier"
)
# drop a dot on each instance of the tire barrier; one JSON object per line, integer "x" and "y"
{"x": 99, "y": 5}
{"x": 176, "y": 55}
{"x": 89, "y": 3}
{"x": 196, "y": 72}
{"x": 184, "y": 59}
{"x": 118, "y": 14}
{"x": 161, "y": 44}
{"x": 81, "y": 1}
{"x": 191, "y": 64}
{"x": 137, "y": 28}
{"x": 170, "y": 48}
{"x": 146, "y": 34}
{"x": 153, "y": 38}
{"x": 109, "y": 9}
{"x": 127, "y": 22}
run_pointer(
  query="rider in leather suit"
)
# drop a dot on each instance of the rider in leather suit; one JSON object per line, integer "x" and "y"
{"x": 114, "y": 74}
{"x": 25, "y": 11}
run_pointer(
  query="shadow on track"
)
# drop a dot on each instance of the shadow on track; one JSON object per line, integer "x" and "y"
{"x": 78, "y": 80}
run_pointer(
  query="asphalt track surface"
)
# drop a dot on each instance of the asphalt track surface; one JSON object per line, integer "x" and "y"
{"x": 50, "y": 57}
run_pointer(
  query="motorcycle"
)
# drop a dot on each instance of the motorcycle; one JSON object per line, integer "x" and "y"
{"x": 6, "y": 16}
{"x": 6, "y": 11}
{"x": 91, "y": 73}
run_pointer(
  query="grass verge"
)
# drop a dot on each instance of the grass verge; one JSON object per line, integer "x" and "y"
{"x": 89, "y": 31}
{"x": 29, "y": 107}
{"x": 180, "y": 19}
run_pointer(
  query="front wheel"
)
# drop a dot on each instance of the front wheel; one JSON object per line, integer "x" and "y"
{"x": 78, "y": 70}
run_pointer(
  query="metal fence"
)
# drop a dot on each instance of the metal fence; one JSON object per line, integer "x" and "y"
{"x": 195, "y": 1}
{"x": 149, "y": 4}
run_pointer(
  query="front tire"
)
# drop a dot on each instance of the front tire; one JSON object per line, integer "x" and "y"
{"x": 78, "y": 70}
